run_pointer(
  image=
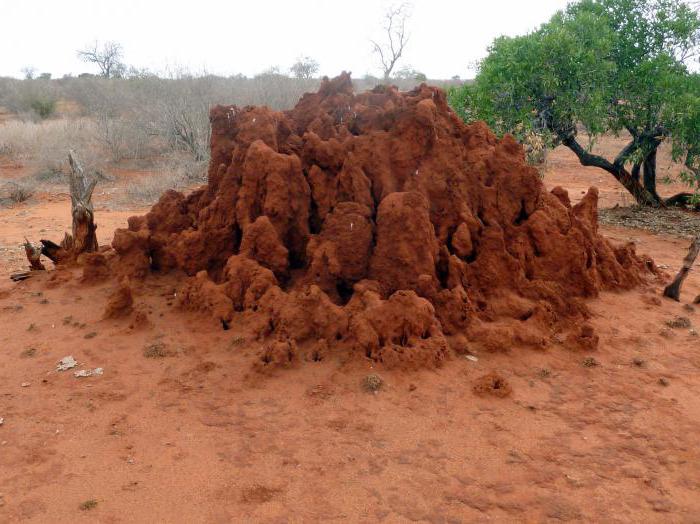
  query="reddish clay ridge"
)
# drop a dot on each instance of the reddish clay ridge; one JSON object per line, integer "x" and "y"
{"x": 376, "y": 224}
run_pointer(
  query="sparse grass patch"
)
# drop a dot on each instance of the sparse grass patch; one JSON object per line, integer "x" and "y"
{"x": 544, "y": 373}
{"x": 372, "y": 383}
{"x": 156, "y": 350}
{"x": 148, "y": 189}
{"x": 88, "y": 505}
{"x": 679, "y": 323}
{"x": 17, "y": 192}
{"x": 28, "y": 353}
{"x": 590, "y": 362}
{"x": 177, "y": 172}
{"x": 50, "y": 176}
{"x": 236, "y": 341}
{"x": 258, "y": 494}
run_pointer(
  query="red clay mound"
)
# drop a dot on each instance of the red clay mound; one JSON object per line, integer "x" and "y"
{"x": 377, "y": 223}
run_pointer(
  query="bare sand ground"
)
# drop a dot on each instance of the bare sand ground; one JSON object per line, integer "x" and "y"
{"x": 194, "y": 435}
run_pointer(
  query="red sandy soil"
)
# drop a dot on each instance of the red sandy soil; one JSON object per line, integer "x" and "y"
{"x": 191, "y": 434}
{"x": 46, "y": 216}
{"x": 564, "y": 168}
{"x": 195, "y": 437}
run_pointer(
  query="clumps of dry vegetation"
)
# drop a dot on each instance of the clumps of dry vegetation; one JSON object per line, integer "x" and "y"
{"x": 16, "y": 192}
{"x": 28, "y": 353}
{"x": 236, "y": 341}
{"x": 590, "y": 362}
{"x": 156, "y": 350}
{"x": 88, "y": 505}
{"x": 45, "y": 144}
{"x": 372, "y": 383}
{"x": 258, "y": 494}
{"x": 679, "y": 323}
{"x": 177, "y": 173}
{"x": 670, "y": 221}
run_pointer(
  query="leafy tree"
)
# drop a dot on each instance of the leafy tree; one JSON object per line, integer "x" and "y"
{"x": 600, "y": 66}
{"x": 408, "y": 73}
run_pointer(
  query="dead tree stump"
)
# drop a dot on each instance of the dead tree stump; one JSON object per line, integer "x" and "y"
{"x": 673, "y": 290}
{"x": 84, "y": 229}
{"x": 83, "y": 237}
{"x": 33, "y": 255}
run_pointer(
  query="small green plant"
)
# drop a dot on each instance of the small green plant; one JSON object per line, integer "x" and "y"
{"x": 44, "y": 107}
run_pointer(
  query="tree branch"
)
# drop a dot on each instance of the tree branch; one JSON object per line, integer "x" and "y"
{"x": 673, "y": 290}
{"x": 641, "y": 195}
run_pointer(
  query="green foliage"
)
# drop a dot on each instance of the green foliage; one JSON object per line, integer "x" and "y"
{"x": 604, "y": 65}
{"x": 686, "y": 139}
{"x": 44, "y": 107}
{"x": 409, "y": 73}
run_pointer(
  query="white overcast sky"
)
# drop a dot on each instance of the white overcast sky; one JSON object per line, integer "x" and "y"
{"x": 230, "y": 36}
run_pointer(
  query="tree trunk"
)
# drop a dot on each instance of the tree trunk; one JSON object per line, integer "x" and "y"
{"x": 650, "y": 174}
{"x": 673, "y": 290}
{"x": 686, "y": 199}
{"x": 616, "y": 169}
{"x": 635, "y": 171}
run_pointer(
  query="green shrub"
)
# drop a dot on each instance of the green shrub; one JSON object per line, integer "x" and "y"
{"x": 44, "y": 107}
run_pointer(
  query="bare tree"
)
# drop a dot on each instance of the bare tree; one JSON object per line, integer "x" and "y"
{"x": 390, "y": 51}
{"x": 305, "y": 67}
{"x": 108, "y": 57}
{"x": 29, "y": 72}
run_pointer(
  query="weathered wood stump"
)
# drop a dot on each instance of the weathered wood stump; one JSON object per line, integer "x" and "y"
{"x": 673, "y": 290}
{"x": 33, "y": 255}
{"x": 83, "y": 237}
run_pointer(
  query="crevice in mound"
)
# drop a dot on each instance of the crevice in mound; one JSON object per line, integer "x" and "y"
{"x": 345, "y": 291}
{"x": 375, "y": 223}
{"x": 522, "y": 215}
